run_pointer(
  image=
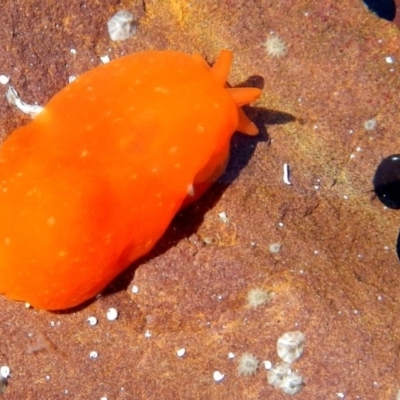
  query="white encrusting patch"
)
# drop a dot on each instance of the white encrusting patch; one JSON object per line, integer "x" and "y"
{"x": 31, "y": 109}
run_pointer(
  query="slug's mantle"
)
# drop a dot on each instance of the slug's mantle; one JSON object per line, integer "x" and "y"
{"x": 94, "y": 180}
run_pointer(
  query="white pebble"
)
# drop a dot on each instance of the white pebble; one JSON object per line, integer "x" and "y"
{"x": 147, "y": 334}
{"x": 135, "y": 289}
{"x": 223, "y": 217}
{"x": 105, "y": 59}
{"x": 231, "y": 355}
{"x": 5, "y": 371}
{"x": 181, "y": 352}
{"x": 4, "y": 79}
{"x": 112, "y": 314}
{"x": 92, "y": 321}
{"x": 93, "y": 354}
{"x": 267, "y": 364}
{"x": 290, "y": 346}
{"x": 72, "y": 51}
{"x": 389, "y": 60}
{"x": 121, "y": 25}
{"x": 218, "y": 376}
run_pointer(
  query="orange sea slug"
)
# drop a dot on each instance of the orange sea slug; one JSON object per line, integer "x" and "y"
{"x": 94, "y": 180}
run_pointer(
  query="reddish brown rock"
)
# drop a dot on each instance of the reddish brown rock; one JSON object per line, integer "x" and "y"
{"x": 336, "y": 277}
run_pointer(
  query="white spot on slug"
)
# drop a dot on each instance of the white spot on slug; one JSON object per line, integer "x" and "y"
{"x": 51, "y": 221}
{"x": 190, "y": 190}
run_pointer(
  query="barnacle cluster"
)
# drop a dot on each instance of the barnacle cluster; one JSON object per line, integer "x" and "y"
{"x": 290, "y": 347}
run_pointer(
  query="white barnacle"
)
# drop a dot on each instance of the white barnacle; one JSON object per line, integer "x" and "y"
{"x": 275, "y": 46}
{"x": 291, "y": 383}
{"x": 256, "y": 297}
{"x": 290, "y": 346}
{"x": 248, "y": 364}
{"x": 122, "y": 25}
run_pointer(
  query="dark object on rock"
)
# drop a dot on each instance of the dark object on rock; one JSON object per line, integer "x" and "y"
{"x": 385, "y": 9}
{"x": 387, "y": 181}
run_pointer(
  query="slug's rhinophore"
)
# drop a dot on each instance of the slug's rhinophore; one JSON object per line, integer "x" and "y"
{"x": 95, "y": 179}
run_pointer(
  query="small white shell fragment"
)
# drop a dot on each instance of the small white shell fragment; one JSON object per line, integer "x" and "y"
{"x": 92, "y": 321}
{"x": 340, "y": 395}
{"x": 27, "y": 305}
{"x": 103, "y": 398}
{"x": 93, "y": 354}
{"x": 122, "y": 25}
{"x": 290, "y": 346}
{"x": 72, "y": 51}
{"x": 286, "y": 179}
{"x": 147, "y": 334}
{"x": 231, "y": 355}
{"x": 267, "y": 364}
{"x": 105, "y": 59}
{"x": 31, "y": 109}
{"x": 275, "y": 247}
{"x": 389, "y": 59}
{"x": 181, "y": 352}
{"x": 135, "y": 289}
{"x": 4, "y": 79}
{"x": 71, "y": 78}
{"x": 5, "y": 371}
{"x": 223, "y": 217}
{"x": 218, "y": 376}
{"x": 112, "y": 314}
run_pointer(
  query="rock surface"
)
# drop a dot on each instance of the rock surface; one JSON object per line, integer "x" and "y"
{"x": 336, "y": 275}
